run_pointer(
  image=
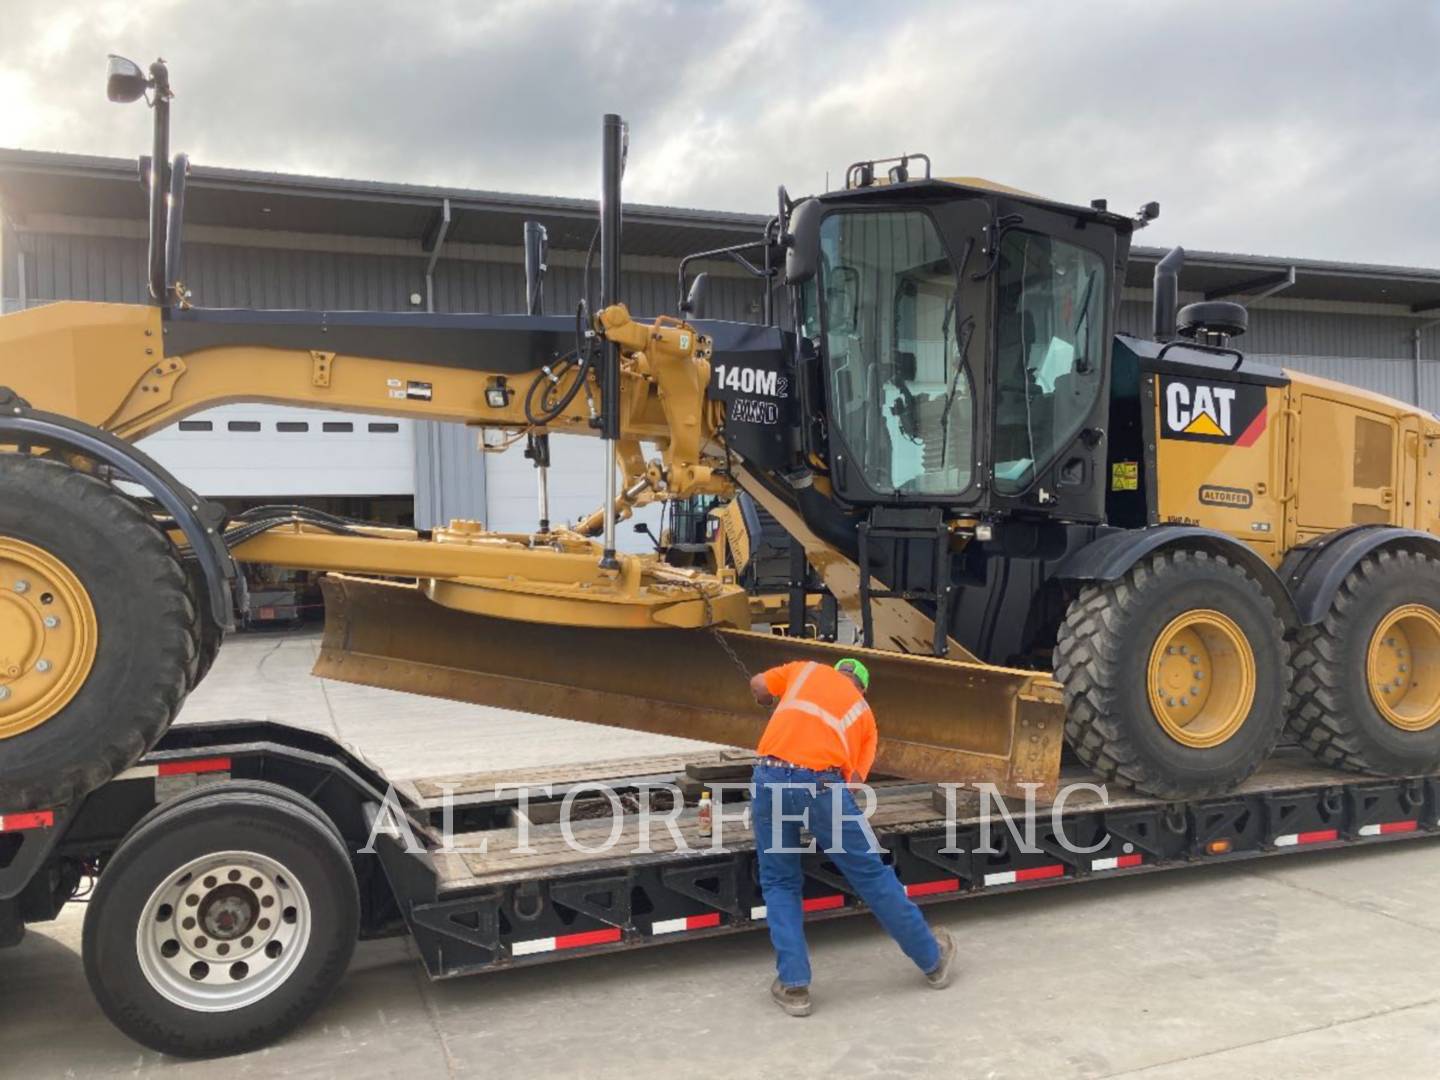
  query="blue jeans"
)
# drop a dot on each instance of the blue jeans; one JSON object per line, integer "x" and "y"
{"x": 795, "y": 792}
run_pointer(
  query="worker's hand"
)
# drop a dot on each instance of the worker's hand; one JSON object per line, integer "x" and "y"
{"x": 762, "y": 693}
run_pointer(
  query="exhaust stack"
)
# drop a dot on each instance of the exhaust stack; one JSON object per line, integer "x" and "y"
{"x": 1167, "y": 293}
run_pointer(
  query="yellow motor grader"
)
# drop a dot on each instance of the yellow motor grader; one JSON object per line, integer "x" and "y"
{"x": 937, "y": 410}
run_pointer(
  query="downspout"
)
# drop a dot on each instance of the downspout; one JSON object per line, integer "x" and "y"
{"x": 1415, "y": 354}
{"x": 1279, "y": 287}
{"x": 435, "y": 255}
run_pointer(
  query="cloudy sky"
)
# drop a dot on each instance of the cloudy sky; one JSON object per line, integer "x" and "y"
{"x": 1309, "y": 128}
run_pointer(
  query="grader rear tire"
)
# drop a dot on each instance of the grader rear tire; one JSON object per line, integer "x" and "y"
{"x": 97, "y": 632}
{"x": 1176, "y": 676}
{"x": 1367, "y": 676}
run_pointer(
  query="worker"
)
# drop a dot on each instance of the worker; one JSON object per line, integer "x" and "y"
{"x": 820, "y": 737}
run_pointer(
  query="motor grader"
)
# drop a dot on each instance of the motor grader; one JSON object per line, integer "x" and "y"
{"x": 938, "y": 411}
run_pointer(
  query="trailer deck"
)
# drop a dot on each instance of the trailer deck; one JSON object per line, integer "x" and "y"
{"x": 486, "y": 903}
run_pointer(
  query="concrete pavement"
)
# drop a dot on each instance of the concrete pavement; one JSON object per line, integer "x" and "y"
{"x": 1312, "y": 964}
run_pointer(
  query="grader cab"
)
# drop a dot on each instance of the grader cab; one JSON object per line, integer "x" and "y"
{"x": 937, "y": 410}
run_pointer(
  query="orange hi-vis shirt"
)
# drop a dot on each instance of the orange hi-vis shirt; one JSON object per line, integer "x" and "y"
{"x": 821, "y": 722}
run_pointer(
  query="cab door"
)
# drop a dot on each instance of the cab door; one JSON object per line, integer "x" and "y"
{"x": 1053, "y": 282}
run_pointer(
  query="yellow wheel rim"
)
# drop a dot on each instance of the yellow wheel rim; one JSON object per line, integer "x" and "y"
{"x": 48, "y": 636}
{"x": 1201, "y": 678}
{"x": 1400, "y": 667}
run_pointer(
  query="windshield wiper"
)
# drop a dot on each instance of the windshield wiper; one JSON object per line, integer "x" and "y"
{"x": 967, "y": 327}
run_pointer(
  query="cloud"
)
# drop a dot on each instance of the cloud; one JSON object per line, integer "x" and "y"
{"x": 1303, "y": 128}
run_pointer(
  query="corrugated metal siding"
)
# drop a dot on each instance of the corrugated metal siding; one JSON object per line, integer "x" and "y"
{"x": 450, "y": 472}
{"x": 1395, "y": 378}
{"x": 1371, "y": 351}
{"x": 66, "y": 267}
{"x": 1290, "y": 332}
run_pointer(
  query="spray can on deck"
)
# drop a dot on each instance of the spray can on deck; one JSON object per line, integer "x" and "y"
{"x": 706, "y": 818}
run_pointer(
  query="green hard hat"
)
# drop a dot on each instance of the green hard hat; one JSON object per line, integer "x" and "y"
{"x": 851, "y": 666}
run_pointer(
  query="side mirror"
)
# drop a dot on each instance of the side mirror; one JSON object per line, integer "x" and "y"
{"x": 124, "y": 81}
{"x": 802, "y": 257}
{"x": 694, "y": 305}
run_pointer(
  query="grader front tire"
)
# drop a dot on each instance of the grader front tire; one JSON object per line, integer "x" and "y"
{"x": 1367, "y": 676}
{"x": 1175, "y": 676}
{"x": 99, "y": 634}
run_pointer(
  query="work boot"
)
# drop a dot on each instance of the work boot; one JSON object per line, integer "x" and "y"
{"x": 939, "y": 978}
{"x": 795, "y": 1000}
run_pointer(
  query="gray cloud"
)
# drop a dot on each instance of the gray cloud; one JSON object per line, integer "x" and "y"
{"x": 1304, "y": 128}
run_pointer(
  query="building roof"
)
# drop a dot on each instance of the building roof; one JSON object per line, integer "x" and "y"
{"x": 42, "y": 182}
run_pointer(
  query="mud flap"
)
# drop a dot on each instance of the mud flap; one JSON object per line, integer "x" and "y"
{"x": 939, "y": 720}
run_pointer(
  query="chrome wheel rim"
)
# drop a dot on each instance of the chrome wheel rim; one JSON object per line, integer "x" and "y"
{"x": 224, "y": 931}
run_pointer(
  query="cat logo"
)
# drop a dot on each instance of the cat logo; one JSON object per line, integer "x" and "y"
{"x": 1231, "y": 413}
{"x": 1199, "y": 409}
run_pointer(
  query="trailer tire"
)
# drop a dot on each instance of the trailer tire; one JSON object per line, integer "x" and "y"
{"x": 243, "y": 787}
{"x": 105, "y": 572}
{"x": 1113, "y": 656}
{"x": 230, "y": 978}
{"x": 1342, "y": 712}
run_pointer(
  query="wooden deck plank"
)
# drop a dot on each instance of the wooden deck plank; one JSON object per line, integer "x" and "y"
{"x": 900, "y": 807}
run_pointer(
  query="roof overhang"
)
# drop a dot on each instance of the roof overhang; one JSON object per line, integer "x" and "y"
{"x": 43, "y": 183}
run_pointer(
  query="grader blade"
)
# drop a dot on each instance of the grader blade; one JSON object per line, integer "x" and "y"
{"x": 939, "y": 720}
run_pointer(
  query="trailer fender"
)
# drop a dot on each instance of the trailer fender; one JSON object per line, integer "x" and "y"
{"x": 199, "y": 520}
{"x": 1313, "y": 573}
{"x": 1111, "y": 556}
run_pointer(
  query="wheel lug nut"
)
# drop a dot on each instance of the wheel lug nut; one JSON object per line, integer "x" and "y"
{"x": 1169, "y": 650}
{"x": 1194, "y": 659}
{"x": 4, "y": 692}
{"x": 22, "y": 587}
{"x": 1195, "y": 691}
{"x": 42, "y": 666}
{"x": 51, "y": 622}
{"x": 1184, "y": 649}
{"x": 1170, "y": 702}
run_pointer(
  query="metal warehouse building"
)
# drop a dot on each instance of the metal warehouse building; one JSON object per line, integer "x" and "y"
{"x": 73, "y": 227}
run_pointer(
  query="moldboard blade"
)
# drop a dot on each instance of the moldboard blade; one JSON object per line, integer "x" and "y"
{"x": 939, "y": 720}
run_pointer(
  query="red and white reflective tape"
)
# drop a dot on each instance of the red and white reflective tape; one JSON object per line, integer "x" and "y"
{"x": 1034, "y": 873}
{"x": 177, "y": 768}
{"x": 35, "y": 819}
{"x": 1388, "y": 827}
{"x": 1314, "y": 836}
{"x": 930, "y": 888}
{"x": 565, "y": 941}
{"x": 689, "y": 922}
{"x": 1119, "y": 862}
{"x": 810, "y": 903}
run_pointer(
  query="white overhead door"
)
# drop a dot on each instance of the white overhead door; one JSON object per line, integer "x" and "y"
{"x": 247, "y": 451}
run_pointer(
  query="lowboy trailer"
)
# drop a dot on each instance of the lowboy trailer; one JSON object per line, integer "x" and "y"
{"x": 237, "y": 865}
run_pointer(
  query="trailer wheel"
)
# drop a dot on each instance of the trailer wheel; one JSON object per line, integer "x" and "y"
{"x": 1176, "y": 676}
{"x": 1367, "y": 676}
{"x": 97, "y": 632}
{"x": 221, "y": 923}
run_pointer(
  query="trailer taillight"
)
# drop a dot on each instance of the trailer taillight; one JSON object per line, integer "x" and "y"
{"x": 36, "y": 819}
{"x": 1218, "y": 847}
